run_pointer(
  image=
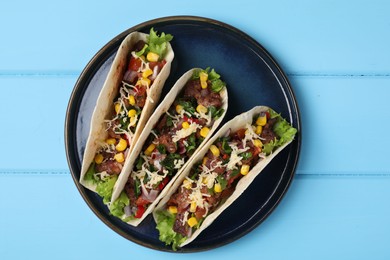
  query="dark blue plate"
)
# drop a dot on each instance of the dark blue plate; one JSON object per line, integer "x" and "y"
{"x": 253, "y": 78}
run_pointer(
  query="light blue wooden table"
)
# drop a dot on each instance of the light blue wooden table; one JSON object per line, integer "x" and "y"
{"x": 337, "y": 57}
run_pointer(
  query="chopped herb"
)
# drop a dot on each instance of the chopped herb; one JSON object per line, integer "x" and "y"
{"x": 246, "y": 155}
{"x": 188, "y": 106}
{"x": 137, "y": 188}
{"x": 222, "y": 181}
{"x": 191, "y": 144}
{"x": 225, "y": 146}
{"x": 139, "y": 163}
{"x": 169, "y": 122}
{"x": 161, "y": 149}
{"x": 169, "y": 162}
{"x": 234, "y": 173}
{"x": 216, "y": 113}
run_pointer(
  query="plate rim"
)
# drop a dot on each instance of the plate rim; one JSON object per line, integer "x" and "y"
{"x": 98, "y": 58}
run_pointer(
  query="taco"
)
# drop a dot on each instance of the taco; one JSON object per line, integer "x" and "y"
{"x": 184, "y": 120}
{"x": 127, "y": 99}
{"x": 219, "y": 173}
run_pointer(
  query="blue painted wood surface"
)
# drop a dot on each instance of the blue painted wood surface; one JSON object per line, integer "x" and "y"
{"x": 337, "y": 58}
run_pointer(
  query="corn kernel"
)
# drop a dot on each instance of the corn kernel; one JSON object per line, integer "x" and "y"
{"x": 147, "y": 73}
{"x": 204, "y": 131}
{"x": 133, "y": 120}
{"x": 110, "y": 141}
{"x": 205, "y": 180}
{"x": 201, "y": 109}
{"x": 192, "y": 221}
{"x": 122, "y": 145}
{"x": 119, "y": 157}
{"x": 150, "y": 149}
{"x": 259, "y": 129}
{"x": 215, "y": 151}
{"x": 117, "y": 108}
{"x": 179, "y": 108}
{"x": 172, "y": 209}
{"x": 132, "y": 100}
{"x": 217, "y": 188}
{"x": 153, "y": 57}
{"x": 193, "y": 206}
{"x": 185, "y": 125}
{"x": 257, "y": 143}
{"x": 244, "y": 169}
{"x": 204, "y": 161}
{"x": 144, "y": 82}
{"x": 203, "y": 76}
{"x": 187, "y": 184}
{"x": 203, "y": 84}
{"x": 99, "y": 158}
{"x": 132, "y": 112}
{"x": 261, "y": 120}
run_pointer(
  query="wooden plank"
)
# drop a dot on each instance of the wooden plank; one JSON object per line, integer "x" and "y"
{"x": 319, "y": 218}
{"x": 306, "y": 37}
{"x": 33, "y": 121}
{"x": 340, "y": 133}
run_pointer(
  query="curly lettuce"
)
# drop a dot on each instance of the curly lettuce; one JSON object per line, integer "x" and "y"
{"x": 282, "y": 129}
{"x": 118, "y": 206}
{"x": 165, "y": 222}
{"x": 155, "y": 43}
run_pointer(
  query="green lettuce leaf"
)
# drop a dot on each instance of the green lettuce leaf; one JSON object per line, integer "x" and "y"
{"x": 90, "y": 174}
{"x": 158, "y": 44}
{"x": 283, "y": 130}
{"x": 105, "y": 187}
{"x": 165, "y": 222}
{"x": 117, "y": 207}
{"x": 213, "y": 75}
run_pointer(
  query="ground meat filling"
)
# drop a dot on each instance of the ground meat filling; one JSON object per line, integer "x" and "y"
{"x": 268, "y": 134}
{"x": 216, "y": 163}
{"x": 167, "y": 148}
{"x": 109, "y": 166}
{"x": 206, "y": 97}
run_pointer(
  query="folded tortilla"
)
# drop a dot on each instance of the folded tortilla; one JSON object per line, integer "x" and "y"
{"x": 105, "y": 103}
{"x": 188, "y": 181}
{"x": 119, "y": 197}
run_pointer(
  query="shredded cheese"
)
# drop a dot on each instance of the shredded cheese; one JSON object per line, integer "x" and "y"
{"x": 178, "y": 163}
{"x": 235, "y": 159}
{"x": 185, "y": 132}
{"x": 102, "y": 175}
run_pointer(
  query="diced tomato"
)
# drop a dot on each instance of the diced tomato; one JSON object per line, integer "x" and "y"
{"x": 141, "y": 201}
{"x": 160, "y": 64}
{"x": 163, "y": 183}
{"x": 140, "y": 211}
{"x": 267, "y": 114}
{"x": 140, "y": 90}
{"x": 241, "y": 133}
{"x": 190, "y": 119}
{"x": 124, "y": 136}
{"x": 255, "y": 151}
{"x": 225, "y": 156}
{"x": 134, "y": 64}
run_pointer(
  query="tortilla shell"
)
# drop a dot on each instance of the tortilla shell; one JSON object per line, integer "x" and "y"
{"x": 233, "y": 125}
{"x": 108, "y": 93}
{"x": 160, "y": 110}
